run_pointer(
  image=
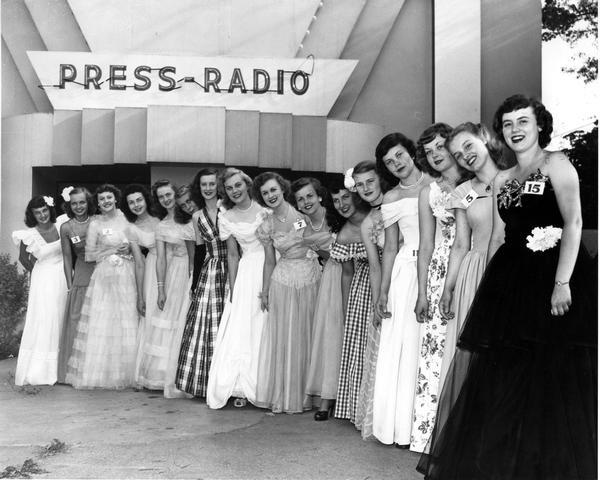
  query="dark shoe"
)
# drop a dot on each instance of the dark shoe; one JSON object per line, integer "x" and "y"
{"x": 402, "y": 447}
{"x": 322, "y": 415}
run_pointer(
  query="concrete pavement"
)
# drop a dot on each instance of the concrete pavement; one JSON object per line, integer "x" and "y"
{"x": 131, "y": 434}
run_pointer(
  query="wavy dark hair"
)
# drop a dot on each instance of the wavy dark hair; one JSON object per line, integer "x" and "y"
{"x": 160, "y": 210}
{"x": 263, "y": 178}
{"x": 137, "y": 188}
{"x": 108, "y": 187}
{"x": 226, "y": 175}
{"x": 428, "y": 135}
{"x": 37, "y": 202}
{"x": 332, "y": 217}
{"x": 542, "y": 116}
{"x": 384, "y": 145}
{"x": 91, "y": 205}
{"x": 179, "y": 215}
{"x": 195, "y": 185}
{"x": 494, "y": 147}
{"x": 336, "y": 186}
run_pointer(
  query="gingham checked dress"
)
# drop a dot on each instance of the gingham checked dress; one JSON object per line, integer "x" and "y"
{"x": 355, "y": 333}
{"x": 205, "y": 310}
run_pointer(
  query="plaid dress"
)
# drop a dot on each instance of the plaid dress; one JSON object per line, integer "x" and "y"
{"x": 204, "y": 314}
{"x": 355, "y": 330}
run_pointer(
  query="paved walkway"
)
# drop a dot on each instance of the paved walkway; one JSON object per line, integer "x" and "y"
{"x": 131, "y": 434}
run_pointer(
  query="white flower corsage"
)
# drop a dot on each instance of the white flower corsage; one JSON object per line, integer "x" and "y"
{"x": 543, "y": 238}
{"x": 440, "y": 204}
{"x": 49, "y": 201}
{"x": 115, "y": 260}
{"x": 349, "y": 180}
{"x": 66, "y": 192}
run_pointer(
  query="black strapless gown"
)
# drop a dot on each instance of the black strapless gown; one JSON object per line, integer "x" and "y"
{"x": 520, "y": 399}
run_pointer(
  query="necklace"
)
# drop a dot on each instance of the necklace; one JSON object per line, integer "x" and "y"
{"x": 408, "y": 187}
{"x": 316, "y": 229}
{"x": 284, "y": 218}
{"x": 245, "y": 209}
{"x": 80, "y": 222}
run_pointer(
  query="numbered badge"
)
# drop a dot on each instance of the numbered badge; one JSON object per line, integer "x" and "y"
{"x": 75, "y": 239}
{"x": 107, "y": 231}
{"x": 469, "y": 198}
{"x": 534, "y": 188}
{"x": 299, "y": 224}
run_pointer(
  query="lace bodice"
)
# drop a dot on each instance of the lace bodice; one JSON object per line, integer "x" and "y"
{"x": 405, "y": 212}
{"x": 244, "y": 232}
{"x": 289, "y": 244}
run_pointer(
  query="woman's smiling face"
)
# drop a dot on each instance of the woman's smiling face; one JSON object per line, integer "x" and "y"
{"x": 106, "y": 201}
{"x": 343, "y": 202}
{"x": 136, "y": 203}
{"x": 236, "y": 189}
{"x": 272, "y": 193}
{"x": 368, "y": 185}
{"x": 166, "y": 197}
{"x": 208, "y": 186}
{"x": 307, "y": 199}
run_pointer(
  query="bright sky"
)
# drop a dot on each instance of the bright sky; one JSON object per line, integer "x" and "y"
{"x": 573, "y": 103}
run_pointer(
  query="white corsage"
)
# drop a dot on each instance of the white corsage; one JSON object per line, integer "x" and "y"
{"x": 543, "y": 238}
{"x": 439, "y": 205}
{"x": 349, "y": 180}
{"x": 115, "y": 260}
{"x": 66, "y": 192}
{"x": 49, "y": 201}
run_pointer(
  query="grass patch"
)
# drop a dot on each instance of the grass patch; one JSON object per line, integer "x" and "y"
{"x": 29, "y": 467}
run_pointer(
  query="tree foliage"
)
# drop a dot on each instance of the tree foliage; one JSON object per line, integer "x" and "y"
{"x": 13, "y": 305}
{"x": 572, "y": 21}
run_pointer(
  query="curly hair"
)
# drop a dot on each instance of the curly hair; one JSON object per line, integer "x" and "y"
{"x": 384, "y": 146}
{"x": 37, "y": 202}
{"x": 226, "y": 175}
{"x": 263, "y": 178}
{"x": 428, "y": 135}
{"x": 494, "y": 147}
{"x": 91, "y": 206}
{"x": 195, "y": 185}
{"x": 542, "y": 116}
{"x": 108, "y": 187}
{"x": 160, "y": 210}
{"x": 137, "y": 188}
{"x": 332, "y": 217}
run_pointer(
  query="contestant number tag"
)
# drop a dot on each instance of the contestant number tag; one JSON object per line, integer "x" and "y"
{"x": 75, "y": 239}
{"x": 299, "y": 224}
{"x": 469, "y": 198}
{"x": 107, "y": 231}
{"x": 534, "y": 188}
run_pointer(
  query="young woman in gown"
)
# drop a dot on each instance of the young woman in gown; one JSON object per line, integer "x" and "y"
{"x": 477, "y": 152}
{"x": 527, "y": 406}
{"x": 187, "y": 206}
{"x": 234, "y": 366}
{"x": 289, "y": 292}
{"x": 139, "y": 211}
{"x": 208, "y": 300}
{"x": 436, "y": 234}
{"x": 360, "y": 334}
{"x": 397, "y": 359}
{"x": 323, "y": 224}
{"x": 79, "y": 207}
{"x": 174, "y": 249}
{"x": 40, "y": 254}
{"x": 105, "y": 346}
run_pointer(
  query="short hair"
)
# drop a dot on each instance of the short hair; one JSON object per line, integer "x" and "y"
{"x": 494, "y": 147}
{"x": 370, "y": 166}
{"x": 385, "y": 144}
{"x": 333, "y": 218}
{"x": 108, "y": 187}
{"x": 160, "y": 210}
{"x": 179, "y": 215}
{"x": 195, "y": 185}
{"x": 263, "y": 178}
{"x": 91, "y": 206}
{"x": 137, "y": 188}
{"x": 37, "y": 202}
{"x": 542, "y": 116}
{"x": 428, "y": 135}
{"x": 226, "y": 175}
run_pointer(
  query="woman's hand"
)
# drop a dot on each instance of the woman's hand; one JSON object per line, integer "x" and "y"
{"x": 381, "y": 309}
{"x": 376, "y": 319}
{"x": 123, "y": 249}
{"x": 162, "y": 298}
{"x": 560, "y": 300}
{"x": 264, "y": 301}
{"x": 445, "y": 305}
{"x": 141, "y": 307}
{"x": 422, "y": 308}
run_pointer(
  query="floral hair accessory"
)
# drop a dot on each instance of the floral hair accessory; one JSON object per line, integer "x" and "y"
{"x": 349, "y": 181}
{"x": 49, "y": 201}
{"x": 66, "y": 192}
{"x": 543, "y": 238}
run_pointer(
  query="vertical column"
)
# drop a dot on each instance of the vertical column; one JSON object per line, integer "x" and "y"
{"x": 457, "y": 61}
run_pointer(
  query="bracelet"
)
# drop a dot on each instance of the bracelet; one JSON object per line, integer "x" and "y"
{"x": 558, "y": 283}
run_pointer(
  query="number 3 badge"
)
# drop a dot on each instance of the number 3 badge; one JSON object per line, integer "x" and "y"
{"x": 534, "y": 188}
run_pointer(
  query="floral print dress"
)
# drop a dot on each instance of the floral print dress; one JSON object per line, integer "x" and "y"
{"x": 433, "y": 330}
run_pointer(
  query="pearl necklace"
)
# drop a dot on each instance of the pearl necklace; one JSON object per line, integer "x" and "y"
{"x": 408, "y": 187}
{"x": 315, "y": 229}
{"x": 82, "y": 223}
